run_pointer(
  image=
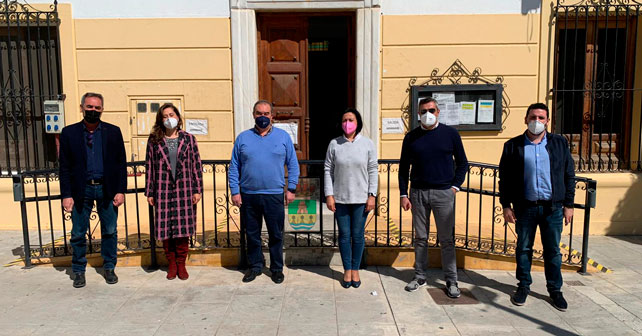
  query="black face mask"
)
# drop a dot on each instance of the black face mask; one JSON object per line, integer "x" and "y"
{"x": 92, "y": 116}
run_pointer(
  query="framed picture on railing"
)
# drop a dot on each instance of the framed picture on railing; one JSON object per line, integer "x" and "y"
{"x": 466, "y": 107}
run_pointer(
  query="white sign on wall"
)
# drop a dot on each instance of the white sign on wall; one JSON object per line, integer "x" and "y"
{"x": 392, "y": 126}
{"x": 196, "y": 126}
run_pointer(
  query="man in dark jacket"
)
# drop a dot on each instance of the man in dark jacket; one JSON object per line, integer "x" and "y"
{"x": 537, "y": 187}
{"x": 92, "y": 170}
{"x": 439, "y": 164}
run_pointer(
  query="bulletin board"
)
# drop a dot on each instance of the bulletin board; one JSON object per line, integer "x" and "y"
{"x": 466, "y": 107}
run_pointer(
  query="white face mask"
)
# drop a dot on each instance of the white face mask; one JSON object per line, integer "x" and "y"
{"x": 170, "y": 123}
{"x": 428, "y": 119}
{"x": 536, "y": 127}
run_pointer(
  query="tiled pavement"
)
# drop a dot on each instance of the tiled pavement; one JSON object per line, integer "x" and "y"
{"x": 41, "y": 301}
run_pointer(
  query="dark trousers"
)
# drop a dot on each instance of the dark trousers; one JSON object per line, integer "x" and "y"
{"x": 550, "y": 222}
{"x": 254, "y": 209}
{"x": 351, "y": 220}
{"x": 108, "y": 215}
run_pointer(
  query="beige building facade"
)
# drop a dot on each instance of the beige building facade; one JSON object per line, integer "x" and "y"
{"x": 207, "y": 57}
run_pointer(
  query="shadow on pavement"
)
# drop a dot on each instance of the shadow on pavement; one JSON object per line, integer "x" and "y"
{"x": 481, "y": 285}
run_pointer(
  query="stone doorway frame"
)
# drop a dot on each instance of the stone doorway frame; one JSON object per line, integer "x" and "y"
{"x": 245, "y": 84}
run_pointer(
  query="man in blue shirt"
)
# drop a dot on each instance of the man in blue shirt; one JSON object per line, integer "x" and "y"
{"x": 257, "y": 180}
{"x": 537, "y": 188}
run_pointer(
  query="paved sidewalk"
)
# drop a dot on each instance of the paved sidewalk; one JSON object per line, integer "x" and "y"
{"x": 41, "y": 301}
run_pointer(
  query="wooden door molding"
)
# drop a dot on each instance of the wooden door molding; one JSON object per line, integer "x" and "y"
{"x": 367, "y": 49}
{"x": 283, "y": 68}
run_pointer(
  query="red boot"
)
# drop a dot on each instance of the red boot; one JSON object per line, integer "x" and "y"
{"x": 182, "y": 247}
{"x": 169, "y": 246}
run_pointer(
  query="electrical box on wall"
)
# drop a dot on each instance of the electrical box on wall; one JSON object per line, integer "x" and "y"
{"x": 54, "y": 116}
{"x": 142, "y": 114}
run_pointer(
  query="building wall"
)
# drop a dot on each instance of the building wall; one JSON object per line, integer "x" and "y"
{"x": 511, "y": 39}
{"x": 184, "y": 58}
{"x": 166, "y": 49}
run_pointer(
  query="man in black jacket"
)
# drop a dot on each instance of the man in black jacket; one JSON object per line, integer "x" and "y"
{"x": 92, "y": 170}
{"x": 537, "y": 187}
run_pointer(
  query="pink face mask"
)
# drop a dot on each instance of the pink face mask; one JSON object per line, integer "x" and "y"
{"x": 349, "y": 127}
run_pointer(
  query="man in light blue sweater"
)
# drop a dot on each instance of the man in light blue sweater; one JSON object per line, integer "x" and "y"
{"x": 257, "y": 180}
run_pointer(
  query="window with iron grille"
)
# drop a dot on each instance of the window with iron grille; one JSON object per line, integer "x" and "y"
{"x": 29, "y": 75}
{"x": 594, "y": 88}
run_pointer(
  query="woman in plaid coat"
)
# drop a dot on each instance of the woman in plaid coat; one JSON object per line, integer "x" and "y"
{"x": 174, "y": 183}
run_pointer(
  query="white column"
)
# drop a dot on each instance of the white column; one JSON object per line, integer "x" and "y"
{"x": 368, "y": 70}
{"x": 245, "y": 84}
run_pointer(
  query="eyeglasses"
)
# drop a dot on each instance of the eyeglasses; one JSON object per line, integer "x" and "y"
{"x": 431, "y": 110}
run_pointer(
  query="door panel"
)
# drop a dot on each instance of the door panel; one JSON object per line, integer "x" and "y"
{"x": 283, "y": 71}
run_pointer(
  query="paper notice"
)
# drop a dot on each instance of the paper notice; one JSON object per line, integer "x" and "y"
{"x": 392, "y": 126}
{"x": 196, "y": 126}
{"x": 291, "y": 128}
{"x": 443, "y": 98}
{"x": 449, "y": 115}
{"x": 485, "y": 111}
{"x": 467, "y": 113}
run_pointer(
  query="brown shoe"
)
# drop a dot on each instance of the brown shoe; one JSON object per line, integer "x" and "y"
{"x": 170, "y": 254}
{"x": 182, "y": 248}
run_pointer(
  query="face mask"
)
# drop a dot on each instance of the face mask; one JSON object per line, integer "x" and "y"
{"x": 92, "y": 116}
{"x": 170, "y": 123}
{"x": 536, "y": 127}
{"x": 349, "y": 127}
{"x": 428, "y": 119}
{"x": 262, "y": 122}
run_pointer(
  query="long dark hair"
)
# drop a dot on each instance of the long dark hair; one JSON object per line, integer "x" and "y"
{"x": 357, "y": 116}
{"x": 158, "y": 131}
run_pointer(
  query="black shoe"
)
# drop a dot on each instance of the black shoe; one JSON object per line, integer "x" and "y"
{"x": 111, "y": 277}
{"x": 452, "y": 289}
{"x": 356, "y": 284}
{"x": 346, "y": 284}
{"x": 558, "y": 301}
{"x": 250, "y": 275}
{"x": 278, "y": 277}
{"x": 519, "y": 298}
{"x": 79, "y": 280}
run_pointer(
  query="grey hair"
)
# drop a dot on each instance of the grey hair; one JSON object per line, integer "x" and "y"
{"x": 428, "y": 100}
{"x": 91, "y": 94}
{"x": 262, "y": 101}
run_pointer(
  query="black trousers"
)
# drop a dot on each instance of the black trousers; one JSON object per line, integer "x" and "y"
{"x": 254, "y": 209}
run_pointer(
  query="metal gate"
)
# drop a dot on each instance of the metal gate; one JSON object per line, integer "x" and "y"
{"x": 29, "y": 75}
{"x": 596, "y": 98}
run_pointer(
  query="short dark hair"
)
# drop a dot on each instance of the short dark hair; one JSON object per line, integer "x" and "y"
{"x": 357, "y": 115}
{"x": 260, "y": 102}
{"x": 427, "y": 100}
{"x": 537, "y": 106}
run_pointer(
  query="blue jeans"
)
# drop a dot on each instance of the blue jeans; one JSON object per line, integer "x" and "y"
{"x": 254, "y": 209}
{"x": 108, "y": 215}
{"x": 550, "y": 221}
{"x": 351, "y": 219}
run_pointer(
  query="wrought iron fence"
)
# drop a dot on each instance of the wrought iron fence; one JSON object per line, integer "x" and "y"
{"x": 595, "y": 95}
{"x": 29, "y": 75}
{"x": 479, "y": 222}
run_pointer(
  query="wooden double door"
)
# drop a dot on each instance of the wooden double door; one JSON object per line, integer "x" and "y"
{"x": 283, "y": 55}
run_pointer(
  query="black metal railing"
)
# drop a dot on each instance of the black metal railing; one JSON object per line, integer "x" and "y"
{"x": 594, "y": 90}
{"x": 479, "y": 221}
